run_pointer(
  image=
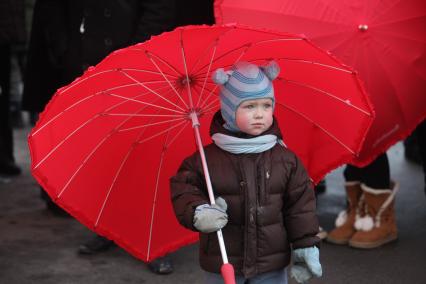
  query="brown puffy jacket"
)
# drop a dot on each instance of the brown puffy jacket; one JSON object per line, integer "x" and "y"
{"x": 271, "y": 204}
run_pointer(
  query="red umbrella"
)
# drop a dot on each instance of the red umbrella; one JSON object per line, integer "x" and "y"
{"x": 383, "y": 40}
{"x": 107, "y": 144}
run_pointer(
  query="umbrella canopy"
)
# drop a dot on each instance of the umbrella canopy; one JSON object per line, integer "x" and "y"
{"x": 383, "y": 40}
{"x": 107, "y": 144}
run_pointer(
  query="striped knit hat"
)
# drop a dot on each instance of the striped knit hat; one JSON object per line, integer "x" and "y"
{"x": 244, "y": 82}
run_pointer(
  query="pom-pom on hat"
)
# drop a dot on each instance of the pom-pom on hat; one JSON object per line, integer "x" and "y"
{"x": 245, "y": 81}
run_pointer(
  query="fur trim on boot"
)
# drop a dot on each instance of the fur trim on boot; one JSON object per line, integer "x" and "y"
{"x": 378, "y": 226}
{"x": 345, "y": 220}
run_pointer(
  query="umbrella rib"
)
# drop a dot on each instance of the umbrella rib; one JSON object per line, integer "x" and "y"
{"x": 170, "y": 84}
{"x": 346, "y": 102}
{"x": 298, "y": 60}
{"x": 397, "y": 55}
{"x": 148, "y": 71}
{"x": 61, "y": 113}
{"x": 93, "y": 151}
{"x": 177, "y": 135}
{"x": 162, "y": 60}
{"x": 209, "y": 112}
{"x": 208, "y": 97}
{"x": 82, "y": 100}
{"x": 81, "y": 126}
{"x": 382, "y": 11}
{"x": 120, "y": 168}
{"x": 246, "y": 46}
{"x": 90, "y": 155}
{"x": 152, "y": 124}
{"x": 65, "y": 139}
{"x": 390, "y": 82}
{"x": 398, "y": 21}
{"x": 191, "y": 104}
{"x": 209, "y": 109}
{"x": 208, "y": 72}
{"x": 134, "y": 144}
{"x": 123, "y": 102}
{"x": 149, "y": 89}
{"x": 78, "y": 82}
{"x": 154, "y": 202}
{"x": 142, "y": 115}
{"x": 145, "y": 103}
{"x": 281, "y": 12}
{"x": 112, "y": 186}
{"x": 317, "y": 125}
{"x": 81, "y": 80}
{"x": 311, "y": 62}
{"x": 202, "y": 54}
{"x": 161, "y": 132}
{"x": 209, "y": 105}
{"x": 214, "y": 43}
{"x": 131, "y": 85}
{"x": 400, "y": 36}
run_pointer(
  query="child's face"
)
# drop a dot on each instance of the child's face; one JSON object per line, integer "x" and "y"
{"x": 254, "y": 116}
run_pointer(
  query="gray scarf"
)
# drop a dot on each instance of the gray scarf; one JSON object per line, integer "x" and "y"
{"x": 236, "y": 145}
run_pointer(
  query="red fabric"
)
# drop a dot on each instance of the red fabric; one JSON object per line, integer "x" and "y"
{"x": 389, "y": 55}
{"x": 105, "y": 146}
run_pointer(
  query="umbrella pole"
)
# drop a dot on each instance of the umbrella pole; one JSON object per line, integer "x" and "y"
{"x": 227, "y": 269}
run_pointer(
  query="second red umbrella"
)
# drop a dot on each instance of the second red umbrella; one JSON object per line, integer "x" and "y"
{"x": 383, "y": 40}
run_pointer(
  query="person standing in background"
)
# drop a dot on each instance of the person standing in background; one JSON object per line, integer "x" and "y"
{"x": 69, "y": 36}
{"x": 12, "y": 32}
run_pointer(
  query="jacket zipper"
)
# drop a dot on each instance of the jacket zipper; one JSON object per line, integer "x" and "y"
{"x": 246, "y": 210}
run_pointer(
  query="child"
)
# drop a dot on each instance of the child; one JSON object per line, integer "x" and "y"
{"x": 266, "y": 199}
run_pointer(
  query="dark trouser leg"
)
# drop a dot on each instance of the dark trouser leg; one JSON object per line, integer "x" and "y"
{"x": 374, "y": 175}
{"x": 6, "y": 144}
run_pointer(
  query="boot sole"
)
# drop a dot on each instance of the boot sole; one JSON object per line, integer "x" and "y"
{"x": 360, "y": 245}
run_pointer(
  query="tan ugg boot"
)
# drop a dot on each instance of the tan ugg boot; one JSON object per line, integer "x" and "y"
{"x": 378, "y": 226}
{"x": 345, "y": 220}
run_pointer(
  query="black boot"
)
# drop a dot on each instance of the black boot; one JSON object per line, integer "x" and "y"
{"x": 95, "y": 245}
{"x": 161, "y": 265}
{"x": 9, "y": 168}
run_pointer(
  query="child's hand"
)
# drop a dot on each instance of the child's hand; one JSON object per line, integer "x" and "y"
{"x": 211, "y": 218}
{"x": 306, "y": 264}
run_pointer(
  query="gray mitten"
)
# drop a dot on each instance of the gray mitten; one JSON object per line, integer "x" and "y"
{"x": 305, "y": 264}
{"x": 211, "y": 218}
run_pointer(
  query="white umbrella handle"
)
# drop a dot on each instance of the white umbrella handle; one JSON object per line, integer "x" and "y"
{"x": 196, "y": 126}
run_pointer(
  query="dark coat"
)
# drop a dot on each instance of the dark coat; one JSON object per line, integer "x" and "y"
{"x": 271, "y": 204}
{"x": 12, "y": 22}
{"x": 69, "y": 36}
{"x": 194, "y": 12}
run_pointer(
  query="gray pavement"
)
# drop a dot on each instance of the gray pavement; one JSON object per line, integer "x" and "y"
{"x": 37, "y": 247}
